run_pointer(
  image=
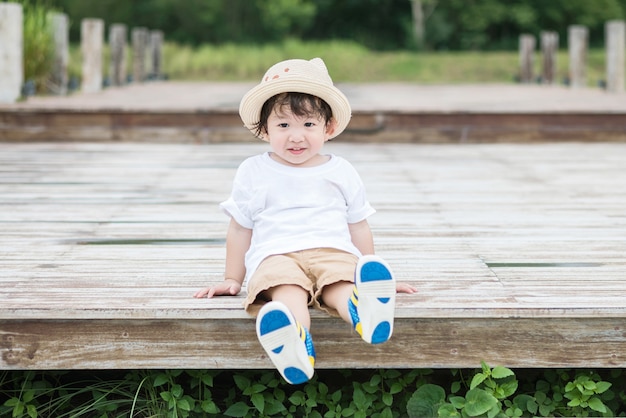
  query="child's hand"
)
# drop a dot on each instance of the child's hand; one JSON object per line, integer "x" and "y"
{"x": 405, "y": 288}
{"x": 228, "y": 287}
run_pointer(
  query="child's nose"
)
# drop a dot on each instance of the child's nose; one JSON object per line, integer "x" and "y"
{"x": 296, "y": 136}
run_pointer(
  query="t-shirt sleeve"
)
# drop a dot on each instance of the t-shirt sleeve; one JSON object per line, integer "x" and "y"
{"x": 359, "y": 208}
{"x": 238, "y": 205}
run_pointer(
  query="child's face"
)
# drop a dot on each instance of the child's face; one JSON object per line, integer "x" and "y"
{"x": 297, "y": 140}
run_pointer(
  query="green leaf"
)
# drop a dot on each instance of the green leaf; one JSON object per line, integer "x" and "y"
{"x": 209, "y": 407}
{"x": 425, "y": 401}
{"x": 258, "y": 401}
{"x": 242, "y": 382}
{"x": 239, "y": 409}
{"x": 574, "y": 402}
{"x": 336, "y": 396}
{"x": 322, "y": 389}
{"x": 596, "y": 404}
{"x": 388, "y": 399}
{"x": 297, "y": 398}
{"x": 602, "y": 387}
{"x": 546, "y": 410}
{"x": 447, "y": 411}
{"x": 457, "y": 401}
{"x": 486, "y": 368}
{"x": 455, "y": 387}
{"x": 478, "y": 402}
{"x": 500, "y": 372}
{"x": 347, "y": 412}
{"x": 12, "y": 402}
{"x": 477, "y": 380}
{"x": 526, "y": 403}
{"x": 177, "y": 391}
{"x": 359, "y": 398}
{"x": 494, "y": 411}
{"x": 273, "y": 407}
{"x": 207, "y": 379}
{"x": 396, "y": 388}
{"x": 184, "y": 405}
{"x": 509, "y": 388}
{"x": 160, "y": 380}
{"x": 31, "y": 411}
{"x": 29, "y": 395}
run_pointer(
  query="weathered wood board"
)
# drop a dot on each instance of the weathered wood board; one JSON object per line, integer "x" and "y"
{"x": 518, "y": 251}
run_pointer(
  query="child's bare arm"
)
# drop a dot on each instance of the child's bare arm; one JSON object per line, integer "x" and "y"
{"x": 361, "y": 235}
{"x": 237, "y": 243}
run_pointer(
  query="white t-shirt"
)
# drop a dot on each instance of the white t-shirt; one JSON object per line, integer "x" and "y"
{"x": 296, "y": 208}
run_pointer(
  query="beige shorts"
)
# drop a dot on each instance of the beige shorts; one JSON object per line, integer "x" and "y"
{"x": 310, "y": 269}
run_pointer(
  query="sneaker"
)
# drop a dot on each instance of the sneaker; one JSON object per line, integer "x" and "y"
{"x": 373, "y": 300}
{"x": 287, "y": 343}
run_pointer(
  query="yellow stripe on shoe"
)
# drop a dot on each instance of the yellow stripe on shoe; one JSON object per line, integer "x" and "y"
{"x": 372, "y": 305}
{"x": 288, "y": 344}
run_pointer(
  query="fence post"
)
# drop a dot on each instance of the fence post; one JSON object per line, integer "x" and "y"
{"x": 577, "y": 44}
{"x": 92, "y": 34}
{"x": 139, "y": 39}
{"x": 60, "y": 35}
{"x": 11, "y": 52}
{"x": 526, "y": 57}
{"x": 117, "y": 46}
{"x": 549, "y": 50}
{"x": 156, "y": 53}
{"x": 615, "y": 33}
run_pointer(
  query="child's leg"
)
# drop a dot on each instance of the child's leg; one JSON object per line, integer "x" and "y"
{"x": 369, "y": 303}
{"x": 336, "y": 297}
{"x": 285, "y": 339}
{"x": 295, "y": 298}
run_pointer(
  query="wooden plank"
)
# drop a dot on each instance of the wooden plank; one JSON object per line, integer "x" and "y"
{"x": 224, "y": 343}
{"x": 518, "y": 251}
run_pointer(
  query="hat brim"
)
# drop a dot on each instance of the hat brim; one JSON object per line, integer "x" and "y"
{"x": 252, "y": 101}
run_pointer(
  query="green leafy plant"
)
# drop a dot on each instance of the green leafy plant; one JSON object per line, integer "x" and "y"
{"x": 382, "y": 393}
{"x": 38, "y": 43}
{"x": 488, "y": 391}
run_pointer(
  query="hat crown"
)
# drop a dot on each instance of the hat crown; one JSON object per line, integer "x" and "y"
{"x": 314, "y": 71}
{"x": 296, "y": 76}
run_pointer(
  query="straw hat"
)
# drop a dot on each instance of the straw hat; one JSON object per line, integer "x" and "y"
{"x": 299, "y": 76}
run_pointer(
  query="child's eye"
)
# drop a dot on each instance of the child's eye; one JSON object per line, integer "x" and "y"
{"x": 309, "y": 124}
{"x": 283, "y": 125}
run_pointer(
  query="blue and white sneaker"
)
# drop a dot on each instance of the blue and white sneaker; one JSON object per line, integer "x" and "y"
{"x": 287, "y": 343}
{"x": 373, "y": 301}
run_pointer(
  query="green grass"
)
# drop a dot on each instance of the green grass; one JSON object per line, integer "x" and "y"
{"x": 349, "y": 62}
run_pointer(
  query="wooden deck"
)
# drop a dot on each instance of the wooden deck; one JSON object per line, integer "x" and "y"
{"x": 518, "y": 251}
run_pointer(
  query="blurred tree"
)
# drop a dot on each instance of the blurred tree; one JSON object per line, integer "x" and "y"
{"x": 286, "y": 18}
{"x": 377, "y": 24}
{"x": 421, "y": 11}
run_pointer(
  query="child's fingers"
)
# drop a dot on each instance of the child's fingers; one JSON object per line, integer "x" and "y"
{"x": 405, "y": 288}
{"x": 202, "y": 292}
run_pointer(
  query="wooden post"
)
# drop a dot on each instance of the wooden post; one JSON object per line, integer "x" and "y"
{"x": 92, "y": 38}
{"x": 527, "y": 52}
{"x": 577, "y": 44}
{"x": 549, "y": 50}
{"x": 615, "y": 33}
{"x": 117, "y": 45}
{"x": 11, "y": 52}
{"x": 156, "y": 53}
{"x": 139, "y": 39}
{"x": 60, "y": 33}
